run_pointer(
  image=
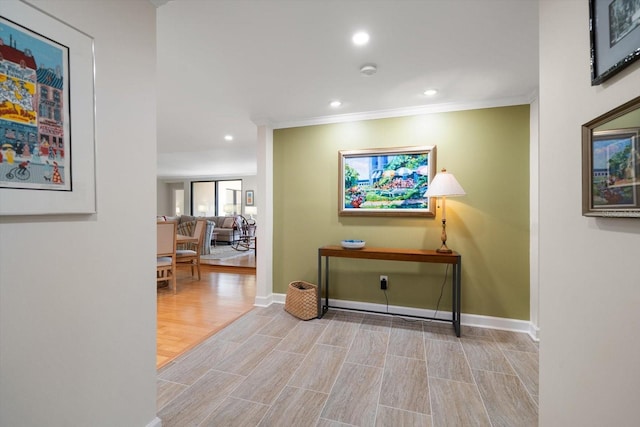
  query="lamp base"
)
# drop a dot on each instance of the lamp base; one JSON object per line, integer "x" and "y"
{"x": 444, "y": 249}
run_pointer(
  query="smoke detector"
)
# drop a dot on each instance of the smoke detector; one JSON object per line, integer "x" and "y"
{"x": 368, "y": 70}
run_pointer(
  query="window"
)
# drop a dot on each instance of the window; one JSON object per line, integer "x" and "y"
{"x": 203, "y": 197}
{"x": 229, "y": 197}
{"x": 216, "y": 198}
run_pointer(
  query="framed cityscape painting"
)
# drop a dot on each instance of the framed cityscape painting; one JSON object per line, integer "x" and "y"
{"x": 611, "y": 163}
{"x": 386, "y": 182}
{"x": 615, "y": 170}
{"x": 47, "y": 150}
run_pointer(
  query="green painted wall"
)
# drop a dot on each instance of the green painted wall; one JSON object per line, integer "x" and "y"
{"x": 488, "y": 152}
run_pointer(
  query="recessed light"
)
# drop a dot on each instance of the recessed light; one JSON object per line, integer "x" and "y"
{"x": 360, "y": 38}
{"x": 228, "y": 137}
{"x": 335, "y": 104}
{"x": 430, "y": 92}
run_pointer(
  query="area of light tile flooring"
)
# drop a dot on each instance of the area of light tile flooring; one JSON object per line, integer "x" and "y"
{"x": 270, "y": 369}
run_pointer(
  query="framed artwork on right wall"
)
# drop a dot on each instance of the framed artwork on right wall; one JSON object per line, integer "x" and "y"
{"x": 611, "y": 163}
{"x": 614, "y": 28}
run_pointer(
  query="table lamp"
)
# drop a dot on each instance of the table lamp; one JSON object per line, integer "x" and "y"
{"x": 444, "y": 185}
{"x": 251, "y": 211}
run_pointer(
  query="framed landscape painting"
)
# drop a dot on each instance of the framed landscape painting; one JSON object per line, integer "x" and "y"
{"x": 386, "y": 182}
{"x": 47, "y": 152}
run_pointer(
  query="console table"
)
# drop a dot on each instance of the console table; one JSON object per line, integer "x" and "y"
{"x": 391, "y": 254}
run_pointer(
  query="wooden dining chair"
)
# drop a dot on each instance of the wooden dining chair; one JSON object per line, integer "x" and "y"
{"x": 191, "y": 255}
{"x": 166, "y": 252}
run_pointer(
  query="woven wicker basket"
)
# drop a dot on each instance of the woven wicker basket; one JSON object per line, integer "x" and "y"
{"x": 302, "y": 300}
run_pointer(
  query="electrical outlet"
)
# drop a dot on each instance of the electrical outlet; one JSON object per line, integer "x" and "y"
{"x": 384, "y": 282}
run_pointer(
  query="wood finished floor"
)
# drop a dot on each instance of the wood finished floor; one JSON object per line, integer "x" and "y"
{"x": 270, "y": 369}
{"x": 200, "y": 308}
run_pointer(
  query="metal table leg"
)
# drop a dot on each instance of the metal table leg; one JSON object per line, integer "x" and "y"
{"x": 456, "y": 296}
{"x": 320, "y": 312}
{"x": 326, "y": 284}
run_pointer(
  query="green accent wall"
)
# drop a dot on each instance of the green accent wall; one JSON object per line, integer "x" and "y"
{"x": 488, "y": 152}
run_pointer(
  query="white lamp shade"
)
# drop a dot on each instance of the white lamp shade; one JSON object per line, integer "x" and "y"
{"x": 444, "y": 184}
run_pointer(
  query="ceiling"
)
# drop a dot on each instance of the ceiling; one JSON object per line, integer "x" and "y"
{"x": 225, "y": 66}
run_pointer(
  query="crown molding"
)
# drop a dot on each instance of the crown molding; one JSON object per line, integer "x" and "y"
{"x": 533, "y": 96}
{"x": 263, "y": 122}
{"x": 158, "y": 3}
{"x": 409, "y": 111}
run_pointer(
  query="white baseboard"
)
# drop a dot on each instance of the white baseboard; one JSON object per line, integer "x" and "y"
{"x": 534, "y": 332}
{"x": 465, "y": 319}
{"x": 156, "y": 422}
{"x": 279, "y": 298}
{"x": 264, "y": 301}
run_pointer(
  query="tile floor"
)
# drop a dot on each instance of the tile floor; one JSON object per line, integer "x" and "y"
{"x": 270, "y": 369}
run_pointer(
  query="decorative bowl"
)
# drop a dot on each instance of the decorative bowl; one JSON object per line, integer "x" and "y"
{"x": 352, "y": 244}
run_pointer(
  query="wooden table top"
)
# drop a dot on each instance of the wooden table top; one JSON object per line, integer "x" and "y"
{"x": 392, "y": 254}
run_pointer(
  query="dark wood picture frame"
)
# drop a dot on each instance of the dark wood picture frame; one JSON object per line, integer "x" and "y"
{"x": 614, "y": 29}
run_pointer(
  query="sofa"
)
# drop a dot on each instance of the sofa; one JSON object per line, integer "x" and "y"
{"x": 222, "y": 226}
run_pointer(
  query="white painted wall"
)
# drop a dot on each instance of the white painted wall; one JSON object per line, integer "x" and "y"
{"x": 264, "y": 231}
{"x": 77, "y": 293}
{"x": 534, "y": 221}
{"x": 163, "y": 198}
{"x": 589, "y": 272}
